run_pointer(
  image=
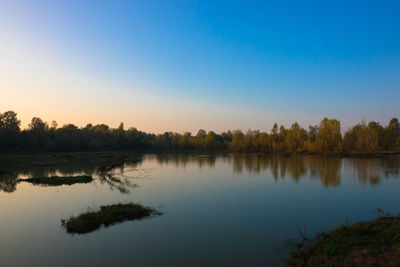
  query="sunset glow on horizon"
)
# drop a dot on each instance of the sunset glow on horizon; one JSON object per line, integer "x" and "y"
{"x": 203, "y": 65}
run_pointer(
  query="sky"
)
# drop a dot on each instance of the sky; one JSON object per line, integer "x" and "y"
{"x": 188, "y": 65}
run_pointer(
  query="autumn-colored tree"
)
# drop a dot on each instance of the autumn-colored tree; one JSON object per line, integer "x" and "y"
{"x": 237, "y": 143}
{"x": 329, "y": 137}
{"x": 210, "y": 141}
{"x": 295, "y": 138}
{"x": 275, "y": 138}
{"x": 392, "y": 134}
{"x": 282, "y": 136}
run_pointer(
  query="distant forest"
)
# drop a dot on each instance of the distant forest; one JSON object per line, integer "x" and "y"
{"x": 363, "y": 138}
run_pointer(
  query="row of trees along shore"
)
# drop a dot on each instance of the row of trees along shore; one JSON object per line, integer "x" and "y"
{"x": 326, "y": 138}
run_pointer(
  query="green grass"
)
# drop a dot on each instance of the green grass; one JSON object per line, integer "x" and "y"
{"x": 106, "y": 216}
{"x": 373, "y": 242}
{"x": 59, "y": 180}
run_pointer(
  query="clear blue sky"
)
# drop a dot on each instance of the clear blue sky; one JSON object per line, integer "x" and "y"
{"x": 185, "y": 65}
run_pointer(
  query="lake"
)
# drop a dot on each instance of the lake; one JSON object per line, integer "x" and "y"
{"x": 223, "y": 210}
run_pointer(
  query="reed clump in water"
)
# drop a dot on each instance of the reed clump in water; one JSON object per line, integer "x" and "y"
{"x": 106, "y": 216}
{"x": 59, "y": 180}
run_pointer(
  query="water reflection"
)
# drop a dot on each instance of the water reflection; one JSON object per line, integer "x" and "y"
{"x": 182, "y": 160}
{"x": 370, "y": 171}
{"x": 328, "y": 170}
{"x": 119, "y": 178}
{"x": 8, "y": 181}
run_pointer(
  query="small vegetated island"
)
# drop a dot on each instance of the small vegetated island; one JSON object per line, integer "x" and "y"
{"x": 107, "y": 215}
{"x": 372, "y": 243}
{"x": 59, "y": 180}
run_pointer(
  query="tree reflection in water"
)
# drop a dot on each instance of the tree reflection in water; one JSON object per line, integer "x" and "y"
{"x": 120, "y": 172}
{"x": 371, "y": 170}
{"x": 327, "y": 169}
{"x": 124, "y": 171}
{"x": 8, "y": 181}
{"x": 118, "y": 178}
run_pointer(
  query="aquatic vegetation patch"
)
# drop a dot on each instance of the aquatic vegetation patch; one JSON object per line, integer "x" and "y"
{"x": 373, "y": 243}
{"x": 59, "y": 180}
{"x": 107, "y": 215}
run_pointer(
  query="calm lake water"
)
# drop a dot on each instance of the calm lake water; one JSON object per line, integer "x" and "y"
{"x": 234, "y": 210}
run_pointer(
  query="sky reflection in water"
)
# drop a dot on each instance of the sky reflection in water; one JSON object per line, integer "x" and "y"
{"x": 232, "y": 210}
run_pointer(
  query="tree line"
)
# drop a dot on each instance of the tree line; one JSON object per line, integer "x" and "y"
{"x": 326, "y": 138}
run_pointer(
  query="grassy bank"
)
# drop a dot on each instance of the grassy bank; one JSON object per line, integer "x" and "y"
{"x": 106, "y": 216}
{"x": 373, "y": 243}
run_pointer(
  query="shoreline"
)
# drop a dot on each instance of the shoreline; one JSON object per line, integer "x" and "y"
{"x": 367, "y": 243}
{"x": 72, "y": 154}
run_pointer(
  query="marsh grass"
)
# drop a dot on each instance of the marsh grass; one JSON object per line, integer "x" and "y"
{"x": 59, "y": 180}
{"x": 373, "y": 243}
{"x": 107, "y": 215}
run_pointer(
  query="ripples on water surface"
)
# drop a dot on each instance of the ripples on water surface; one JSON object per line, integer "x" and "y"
{"x": 235, "y": 210}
